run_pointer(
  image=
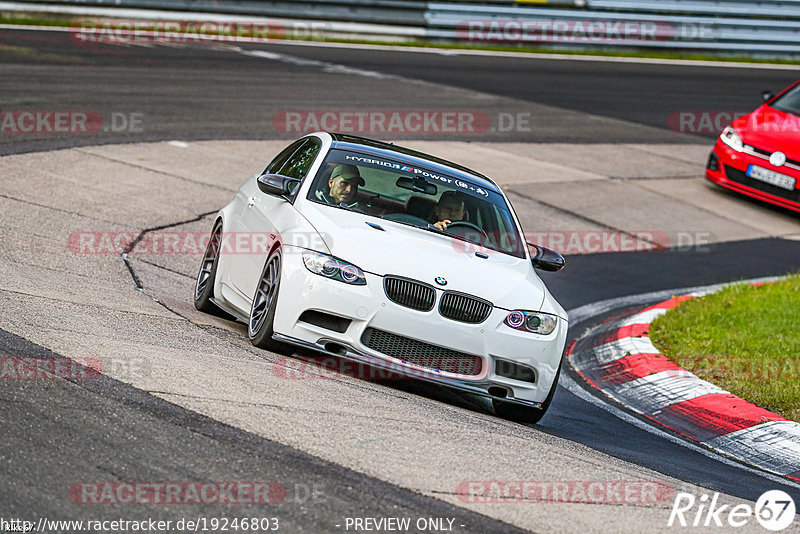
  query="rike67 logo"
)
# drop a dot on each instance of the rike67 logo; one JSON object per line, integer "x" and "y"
{"x": 774, "y": 510}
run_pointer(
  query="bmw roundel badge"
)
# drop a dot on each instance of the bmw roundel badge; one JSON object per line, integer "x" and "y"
{"x": 441, "y": 280}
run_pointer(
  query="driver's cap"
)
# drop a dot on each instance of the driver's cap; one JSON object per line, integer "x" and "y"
{"x": 347, "y": 172}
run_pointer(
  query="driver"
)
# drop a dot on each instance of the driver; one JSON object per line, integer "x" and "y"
{"x": 343, "y": 186}
{"x": 448, "y": 210}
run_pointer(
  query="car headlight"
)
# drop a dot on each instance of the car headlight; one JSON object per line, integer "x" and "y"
{"x": 528, "y": 321}
{"x": 730, "y": 137}
{"x": 330, "y": 267}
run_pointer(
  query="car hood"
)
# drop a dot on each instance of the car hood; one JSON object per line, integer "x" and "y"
{"x": 769, "y": 129}
{"x": 402, "y": 250}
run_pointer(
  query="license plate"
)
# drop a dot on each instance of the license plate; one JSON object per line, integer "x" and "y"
{"x": 771, "y": 177}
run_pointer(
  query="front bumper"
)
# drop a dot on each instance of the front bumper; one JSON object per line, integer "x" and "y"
{"x": 367, "y": 307}
{"x": 730, "y": 173}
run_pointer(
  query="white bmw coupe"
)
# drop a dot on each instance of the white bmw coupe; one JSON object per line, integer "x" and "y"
{"x": 390, "y": 257}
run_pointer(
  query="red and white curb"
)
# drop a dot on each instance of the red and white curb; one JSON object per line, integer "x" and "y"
{"x": 618, "y": 359}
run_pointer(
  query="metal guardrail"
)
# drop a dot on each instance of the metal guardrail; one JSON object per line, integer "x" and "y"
{"x": 761, "y": 27}
{"x": 741, "y": 8}
{"x": 408, "y": 12}
{"x": 642, "y": 24}
{"x": 405, "y": 12}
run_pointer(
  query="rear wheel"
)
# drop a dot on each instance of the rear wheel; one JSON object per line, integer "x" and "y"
{"x": 525, "y": 414}
{"x": 204, "y": 287}
{"x": 262, "y": 312}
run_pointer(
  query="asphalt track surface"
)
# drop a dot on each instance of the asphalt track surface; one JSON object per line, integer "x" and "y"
{"x": 194, "y": 93}
{"x": 213, "y": 92}
{"x": 60, "y": 431}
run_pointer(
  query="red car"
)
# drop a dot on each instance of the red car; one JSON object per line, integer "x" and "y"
{"x": 759, "y": 154}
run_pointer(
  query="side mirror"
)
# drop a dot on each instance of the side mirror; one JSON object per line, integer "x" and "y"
{"x": 277, "y": 184}
{"x": 547, "y": 259}
{"x": 767, "y": 95}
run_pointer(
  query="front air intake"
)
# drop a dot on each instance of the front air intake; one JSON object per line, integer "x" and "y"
{"x": 422, "y": 354}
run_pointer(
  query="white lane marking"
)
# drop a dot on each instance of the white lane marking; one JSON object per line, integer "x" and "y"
{"x": 324, "y": 66}
{"x": 774, "y": 445}
{"x": 652, "y": 393}
{"x": 645, "y": 317}
{"x": 171, "y": 15}
{"x": 179, "y": 144}
{"x": 578, "y": 390}
{"x": 620, "y": 348}
{"x": 611, "y": 351}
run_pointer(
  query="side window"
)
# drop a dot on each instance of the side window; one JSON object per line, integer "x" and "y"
{"x": 300, "y": 162}
{"x": 281, "y": 158}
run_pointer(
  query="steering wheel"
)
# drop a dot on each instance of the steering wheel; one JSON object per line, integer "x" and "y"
{"x": 467, "y": 225}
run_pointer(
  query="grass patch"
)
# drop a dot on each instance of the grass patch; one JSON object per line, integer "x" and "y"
{"x": 745, "y": 339}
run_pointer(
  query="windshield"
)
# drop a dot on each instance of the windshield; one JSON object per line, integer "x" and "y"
{"x": 412, "y": 195}
{"x": 789, "y": 103}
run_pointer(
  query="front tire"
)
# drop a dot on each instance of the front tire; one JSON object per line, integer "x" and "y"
{"x": 262, "y": 311}
{"x": 526, "y": 414}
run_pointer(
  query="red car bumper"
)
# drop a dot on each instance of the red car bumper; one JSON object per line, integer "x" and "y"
{"x": 728, "y": 168}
